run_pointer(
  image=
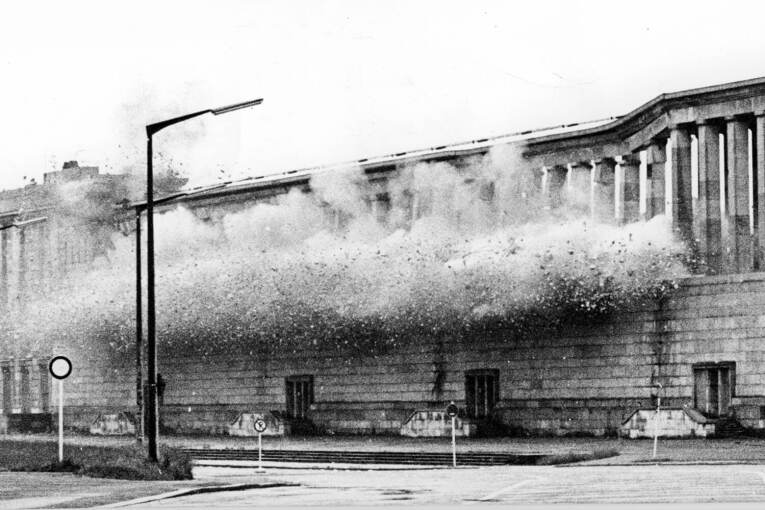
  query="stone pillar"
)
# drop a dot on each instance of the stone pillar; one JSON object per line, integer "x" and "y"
{"x": 680, "y": 173}
{"x": 537, "y": 175}
{"x": 34, "y": 385}
{"x": 656, "y": 157}
{"x": 628, "y": 194}
{"x": 556, "y": 182}
{"x": 759, "y": 171}
{"x": 521, "y": 195}
{"x": 16, "y": 395}
{"x": 25, "y": 396}
{"x": 4, "y": 257}
{"x": 22, "y": 278}
{"x": 707, "y": 221}
{"x": 737, "y": 237}
{"x": 522, "y": 198}
{"x": 44, "y": 381}
{"x": 579, "y": 193}
{"x": 414, "y": 202}
{"x": 603, "y": 202}
{"x": 43, "y": 264}
{"x": 6, "y": 387}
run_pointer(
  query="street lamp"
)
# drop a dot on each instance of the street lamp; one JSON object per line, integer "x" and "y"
{"x": 152, "y": 414}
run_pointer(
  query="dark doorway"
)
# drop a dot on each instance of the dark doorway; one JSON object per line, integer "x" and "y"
{"x": 299, "y": 392}
{"x": 481, "y": 392}
{"x": 714, "y": 387}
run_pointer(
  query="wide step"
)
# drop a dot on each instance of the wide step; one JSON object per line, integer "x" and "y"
{"x": 351, "y": 457}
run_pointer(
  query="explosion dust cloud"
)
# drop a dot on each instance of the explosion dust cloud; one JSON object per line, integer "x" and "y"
{"x": 455, "y": 245}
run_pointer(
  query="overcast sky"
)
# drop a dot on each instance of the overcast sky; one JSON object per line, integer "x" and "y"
{"x": 340, "y": 79}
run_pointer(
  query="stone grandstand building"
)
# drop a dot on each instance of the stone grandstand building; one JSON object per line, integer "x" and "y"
{"x": 697, "y": 156}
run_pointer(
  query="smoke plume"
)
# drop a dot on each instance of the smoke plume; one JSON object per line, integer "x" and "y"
{"x": 446, "y": 247}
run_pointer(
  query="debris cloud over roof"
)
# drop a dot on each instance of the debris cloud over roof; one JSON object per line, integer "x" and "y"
{"x": 443, "y": 248}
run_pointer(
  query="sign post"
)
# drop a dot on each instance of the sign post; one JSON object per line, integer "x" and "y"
{"x": 260, "y": 427}
{"x": 451, "y": 411}
{"x": 656, "y": 421}
{"x": 60, "y": 367}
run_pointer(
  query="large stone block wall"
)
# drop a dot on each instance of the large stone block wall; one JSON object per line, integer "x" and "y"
{"x": 587, "y": 379}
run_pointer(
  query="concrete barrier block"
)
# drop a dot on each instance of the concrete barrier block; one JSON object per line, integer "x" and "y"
{"x": 244, "y": 424}
{"x": 113, "y": 424}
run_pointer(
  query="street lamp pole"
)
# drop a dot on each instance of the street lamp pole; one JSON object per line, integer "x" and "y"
{"x": 139, "y": 397}
{"x": 152, "y": 411}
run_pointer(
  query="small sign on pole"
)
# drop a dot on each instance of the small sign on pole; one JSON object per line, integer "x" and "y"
{"x": 260, "y": 427}
{"x": 656, "y": 421}
{"x": 60, "y": 367}
{"x": 451, "y": 411}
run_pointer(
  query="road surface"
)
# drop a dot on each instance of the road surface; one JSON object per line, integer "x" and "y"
{"x": 507, "y": 485}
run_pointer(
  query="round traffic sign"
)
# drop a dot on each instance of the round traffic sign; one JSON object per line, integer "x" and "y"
{"x": 260, "y": 425}
{"x": 452, "y": 410}
{"x": 60, "y": 367}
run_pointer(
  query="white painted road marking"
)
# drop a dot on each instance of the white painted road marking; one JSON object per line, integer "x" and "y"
{"x": 642, "y": 484}
{"x": 511, "y": 488}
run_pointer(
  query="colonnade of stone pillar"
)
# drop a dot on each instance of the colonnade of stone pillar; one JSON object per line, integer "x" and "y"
{"x": 587, "y": 187}
{"x": 714, "y": 197}
{"x": 726, "y": 217}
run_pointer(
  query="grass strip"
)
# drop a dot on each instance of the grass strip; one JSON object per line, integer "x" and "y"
{"x": 120, "y": 462}
{"x": 571, "y": 457}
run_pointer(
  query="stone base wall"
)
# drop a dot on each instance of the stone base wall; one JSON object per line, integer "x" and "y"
{"x": 587, "y": 379}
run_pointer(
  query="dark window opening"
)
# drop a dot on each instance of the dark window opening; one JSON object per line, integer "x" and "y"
{"x": 481, "y": 392}
{"x": 714, "y": 385}
{"x": 161, "y": 384}
{"x": 7, "y": 389}
{"x": 299, "y": 393}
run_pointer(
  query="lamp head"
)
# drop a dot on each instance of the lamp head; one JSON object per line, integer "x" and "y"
{"x": 237, "y": 106}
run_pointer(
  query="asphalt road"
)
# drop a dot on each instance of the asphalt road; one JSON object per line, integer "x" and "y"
{"x": 507, "y": 485}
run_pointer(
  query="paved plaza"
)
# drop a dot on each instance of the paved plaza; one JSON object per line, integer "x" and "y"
{"x": 505, "y": 485}
{"x": 684, "y": 471}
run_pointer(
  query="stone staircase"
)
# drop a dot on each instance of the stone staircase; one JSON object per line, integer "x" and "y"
{"x": 357, "y": 457}
{"x": 679, "y": 422}
{"x": 676, "y": 422}
{"x": 729, "y": 427}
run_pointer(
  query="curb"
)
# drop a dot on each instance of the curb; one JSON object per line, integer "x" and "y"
{"x": 669, "y": 463}
{"x": 197, "y": 490}
{"x": 323, "y": 466}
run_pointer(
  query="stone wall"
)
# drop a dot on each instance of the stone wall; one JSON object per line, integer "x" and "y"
{"x": 587, "y": 380}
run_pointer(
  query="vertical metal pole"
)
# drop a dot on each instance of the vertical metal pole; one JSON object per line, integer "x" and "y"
{"x": 656, "y": 426}
{"x": 61, "y": 420}
{"x": 454, "y": 443}
{"x": 152, "y": 422}
{"x": 138, "y": 332}
{"x": 260, "y": 451}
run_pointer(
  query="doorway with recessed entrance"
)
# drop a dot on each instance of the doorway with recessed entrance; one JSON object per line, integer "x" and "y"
{"x": 714, "y": 387}
{"x": 299, "y": 397}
